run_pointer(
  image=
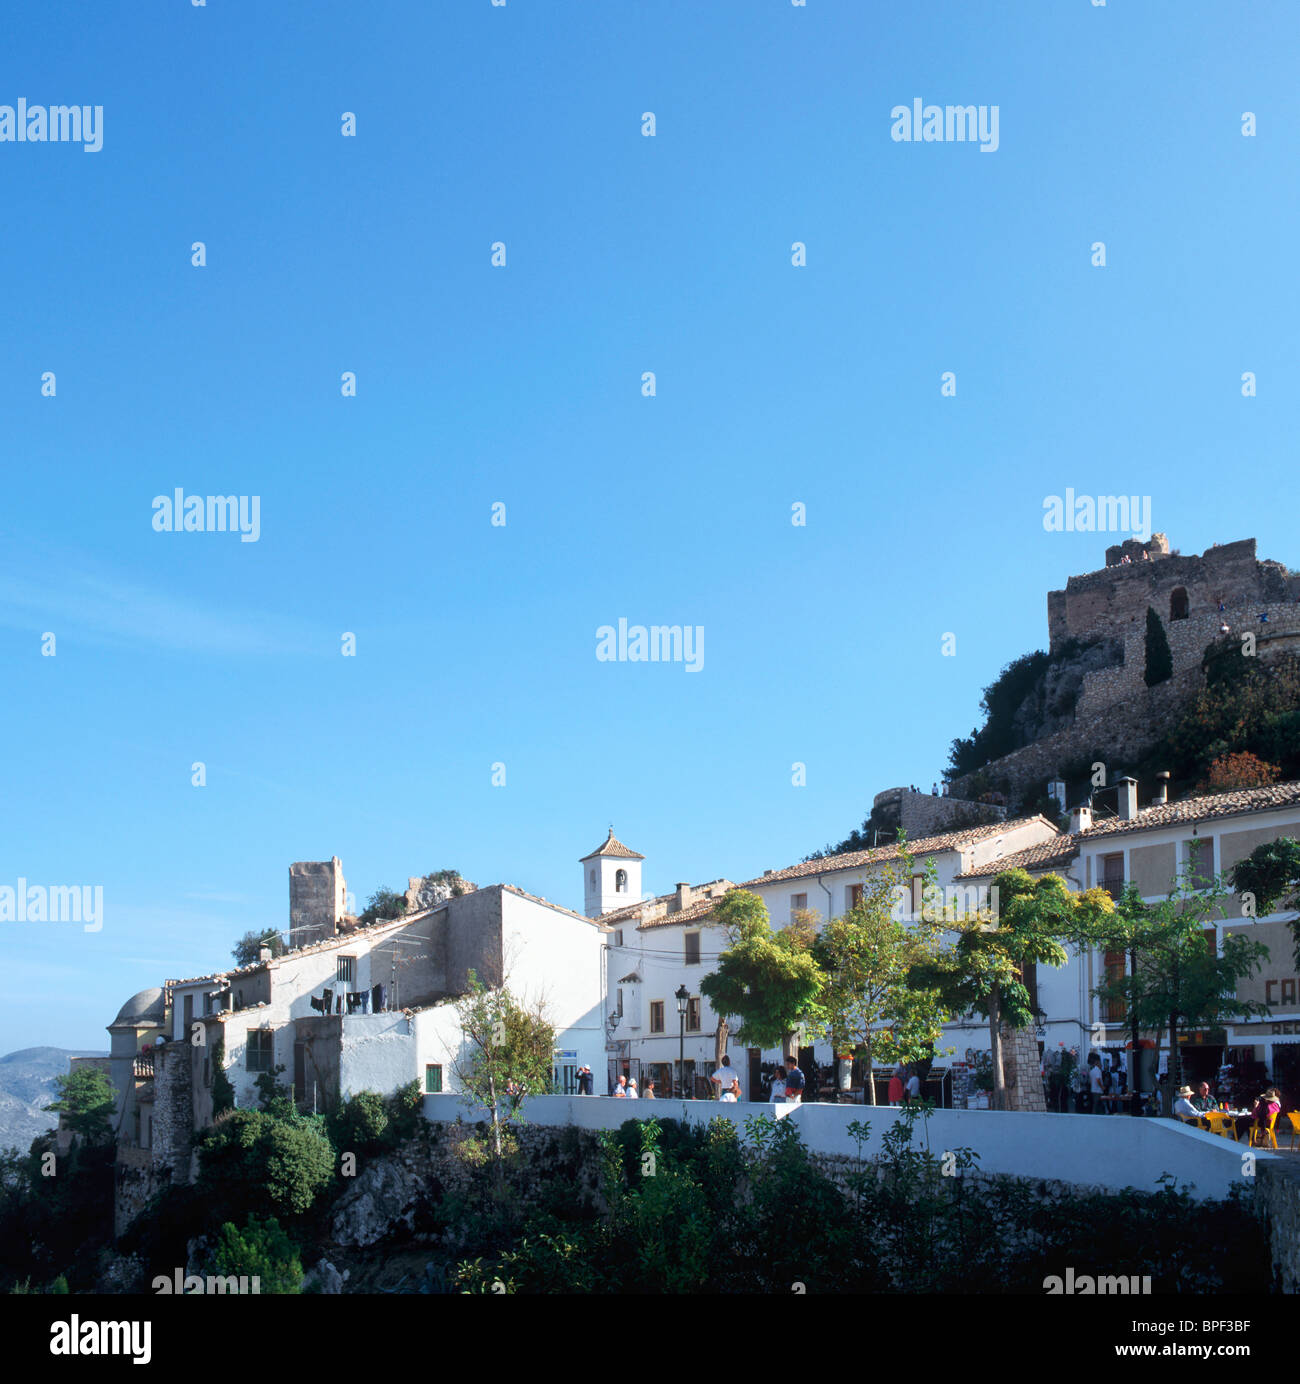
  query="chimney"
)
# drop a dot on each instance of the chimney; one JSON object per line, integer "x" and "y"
{"x": 1162, "y": 786}
{"x": 1080, "y": 819}
{"x": 683, "y": 897}
{"x": 1128, "y": 798}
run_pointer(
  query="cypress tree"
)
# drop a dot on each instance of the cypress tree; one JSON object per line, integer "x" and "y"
{"x": 1160, "y": 661}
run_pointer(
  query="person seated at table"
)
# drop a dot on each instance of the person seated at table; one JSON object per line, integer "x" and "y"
{"x": 1183, "y": 1107}
{"x": 1203, "y": 1100}
{"x": 1269, "y": 1104}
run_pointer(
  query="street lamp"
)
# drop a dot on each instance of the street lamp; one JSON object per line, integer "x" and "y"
{"x": 682, "y": 995}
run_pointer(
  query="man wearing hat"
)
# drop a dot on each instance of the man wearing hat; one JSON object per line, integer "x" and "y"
{"x": 1183, "y": 1107}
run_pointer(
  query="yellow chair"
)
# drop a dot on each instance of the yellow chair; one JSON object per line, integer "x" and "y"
{"x": 1221, "y": 1124}
{"x": 1294, "y": 1117}
{"x": 1262, "y": 1136}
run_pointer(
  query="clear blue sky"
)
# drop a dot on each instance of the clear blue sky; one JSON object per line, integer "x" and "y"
{"x": 821, "y": 384}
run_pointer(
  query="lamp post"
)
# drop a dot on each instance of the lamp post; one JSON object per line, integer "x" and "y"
{"x": 681, "y": 995}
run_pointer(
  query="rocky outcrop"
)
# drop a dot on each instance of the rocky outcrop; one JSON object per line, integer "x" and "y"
{"x": 381, "y": 1203}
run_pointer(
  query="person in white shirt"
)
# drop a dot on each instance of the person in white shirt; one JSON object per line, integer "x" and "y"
{"x": 913, "y": 1087}
{"x": 726, "y": 1081}
{"x": 1095, "y": 1085}
{"x": 632, "y": 1092}
{"x": 1183, "y": 1107}
{"x": 621, "y": 1088}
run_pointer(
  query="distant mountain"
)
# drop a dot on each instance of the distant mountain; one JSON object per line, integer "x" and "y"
{"x": 26, "y": 1084}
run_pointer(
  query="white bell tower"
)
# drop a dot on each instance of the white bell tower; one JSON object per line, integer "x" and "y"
{"x": 611, "y": 877}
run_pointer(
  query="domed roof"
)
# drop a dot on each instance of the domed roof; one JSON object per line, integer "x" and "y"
{"x": 148, "y": 1007}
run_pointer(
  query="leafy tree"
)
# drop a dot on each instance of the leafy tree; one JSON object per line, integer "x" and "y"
{"x": 274, "y": 1095}
{"x": 249, "y": 947}
{"x": 1002, "y": 699}
{"x": 866, "y": 957}
{"x": 87, "y": 1100}
{"x": 1270, "y": 874}
{"x": 383, "y": 904}
{"x": 360, "y": 1122}
{"x": 262, "y": 1250}
{"x": 1159, "y": 658}
{"x": 506, "y": 1054}
{"x": 223, "y": 1089}
{"x": 1177, "y": 977}
{"x": 984, "y": 969}
{"x": 769, "y": 981}
{"x": 1241, "y": 770}
{"x": 251, "y": 1162}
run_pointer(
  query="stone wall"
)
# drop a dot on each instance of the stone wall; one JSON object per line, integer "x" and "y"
{"x": 1111, "y": 600}
{"x": 1187, "y": 643}
{"x": 1022, "y": 1070}
{"x": 317, "y": 900}
{"x": 929, "y": 814}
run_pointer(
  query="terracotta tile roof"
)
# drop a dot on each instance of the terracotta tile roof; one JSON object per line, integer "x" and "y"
{"x": 694, "y": 914}
{"x": 613, "y": 846}
{"x": 925, "y": 845}
{"x": 1204, "y": 808}
{"x": 632, "y": 911}
{"x": 1046, "y": 855}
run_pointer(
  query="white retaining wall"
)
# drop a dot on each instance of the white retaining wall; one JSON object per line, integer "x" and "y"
{"x": 1111, "y": 1152}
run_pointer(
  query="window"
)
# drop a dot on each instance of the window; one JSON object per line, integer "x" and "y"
{"x": 693, "y": 1014}
{"x": 1198, "y": 861}
{"x": 619, "y": 1010}
{"x": 433, "y": 1078}
{"x": 1178, "y": 603}
{"x": 618, "y": 937}
{"x": 656, "y": 1016}
{"x": 261, "y": 1050}
{"x": 593, "y": 879}
{"x": 620, "y": 881}
{"x": 187, "y": 1015}
{"x": 798, "y": 904}
{"x": 692, "y": 941}
{"x": 1112, "y": 874}
{"x": 347, "y": 970}
{"x": 853, "y": 896}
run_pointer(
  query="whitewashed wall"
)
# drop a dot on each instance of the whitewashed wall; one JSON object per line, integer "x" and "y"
{"x": 1112, "y": 1153}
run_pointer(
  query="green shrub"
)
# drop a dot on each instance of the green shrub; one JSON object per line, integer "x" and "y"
{"x": 262, "y": 1250}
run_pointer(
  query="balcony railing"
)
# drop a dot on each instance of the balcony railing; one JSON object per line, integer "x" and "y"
{"x": 143, "y": 1064}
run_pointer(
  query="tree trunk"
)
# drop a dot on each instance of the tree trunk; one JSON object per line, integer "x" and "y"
{"x": 999, "y": 1094}
{"x": 1135, "y": 1104}
{"x": 1175, "y": 1065}
{"x": 720, "y": 1050}
{"x": 869, "y": 1078}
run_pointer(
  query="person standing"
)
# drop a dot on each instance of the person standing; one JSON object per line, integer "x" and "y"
{"x": 1095, "y": 1088}
{"x": 726, "y": 1081}
{"x": 620, "y": 1090}
{"x": 632, "y": 1092}
{"x": 895, "y": 1087}
{"x": 912, "y": 1090}
{"x": 777, "y": 1094}
{"x": 649, "y": 1091}
{"x": 794, "y": 1081}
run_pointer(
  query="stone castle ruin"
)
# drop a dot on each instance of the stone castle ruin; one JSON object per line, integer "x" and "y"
{"x": 1094, "y": 696}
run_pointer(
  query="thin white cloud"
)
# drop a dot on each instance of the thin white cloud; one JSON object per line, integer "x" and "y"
{"x": 71, "y": 595}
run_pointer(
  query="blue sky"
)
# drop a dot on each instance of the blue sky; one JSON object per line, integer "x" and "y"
{"x": 775, "y": 385}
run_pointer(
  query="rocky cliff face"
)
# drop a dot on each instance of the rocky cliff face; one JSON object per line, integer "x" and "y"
{"x": 1050, "y": 706}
